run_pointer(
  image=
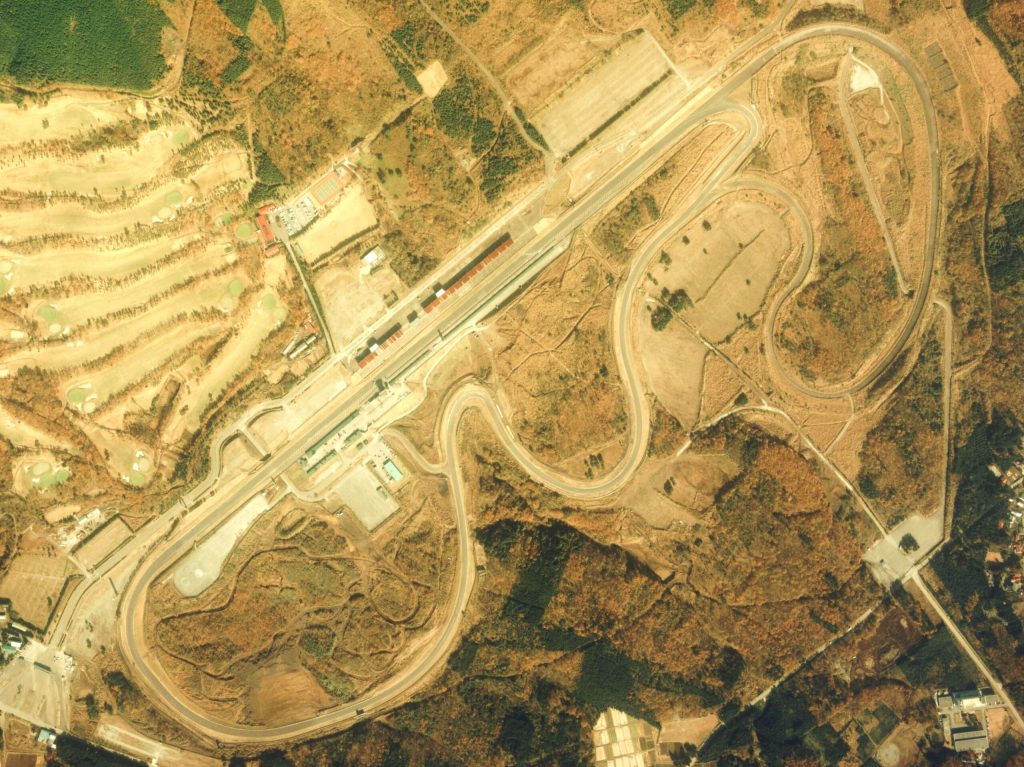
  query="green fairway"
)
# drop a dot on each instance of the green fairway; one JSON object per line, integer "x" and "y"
{"x": 115, "y": 43}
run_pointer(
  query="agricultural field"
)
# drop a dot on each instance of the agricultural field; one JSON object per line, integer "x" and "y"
{"x": 306, "y": 610}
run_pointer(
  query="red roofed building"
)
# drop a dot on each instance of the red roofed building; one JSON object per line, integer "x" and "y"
{"x": 267, "y": 236}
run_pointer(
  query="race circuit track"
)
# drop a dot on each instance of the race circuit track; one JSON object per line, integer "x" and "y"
{"x": 164, "y": 693}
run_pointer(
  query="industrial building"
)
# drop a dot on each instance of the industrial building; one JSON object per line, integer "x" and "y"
{"x": 963, "y": 717}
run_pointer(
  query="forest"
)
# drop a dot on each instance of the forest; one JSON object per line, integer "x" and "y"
{"x": 114, "y": 44}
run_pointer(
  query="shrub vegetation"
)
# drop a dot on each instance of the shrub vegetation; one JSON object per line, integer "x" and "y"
{"x": 78, "y": 753}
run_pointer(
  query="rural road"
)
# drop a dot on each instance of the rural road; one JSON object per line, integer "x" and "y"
{"x": 491, "y": 288}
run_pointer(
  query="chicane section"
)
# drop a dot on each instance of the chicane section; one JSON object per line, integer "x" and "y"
{"x": 389, "y": 694}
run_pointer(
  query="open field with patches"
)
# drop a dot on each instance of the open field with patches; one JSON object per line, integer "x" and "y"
{"x": 538, "y": 76}
{"x": 35, "y": 577}
{"x": 724, "y": 261}
{"x": 306, "y": 610}
{"x": 834, "y": 325}
{"x": 610, "y": 86}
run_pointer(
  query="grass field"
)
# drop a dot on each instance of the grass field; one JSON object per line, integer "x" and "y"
{"x": 54, "y": 264}
{"x": 105, "y": 171}
{"x": 725, "y": 261}
{"x": 92, "y": 346}
{"x": 61, "y": 117}
{"x": 150, "y": 289}
{"x": 25, "y": 435}
{"x": 114, "y": 44}
{"x": 92, "y": 392}
{"x": 266, "y": 314}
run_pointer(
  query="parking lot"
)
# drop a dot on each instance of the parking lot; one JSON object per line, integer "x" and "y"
{"x": 35, "y": 686}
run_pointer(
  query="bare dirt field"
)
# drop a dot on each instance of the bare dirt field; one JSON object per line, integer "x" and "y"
{"x": 694, "y": 730}
{"x": 350, "y": 216}
{"x": 432, "y": 78}
{"x": 354, "y": 299}
{"x": 610, "y": 85}
{"x": 677, "y": 489}
{"x": 102, "y": 543}
{"x": 119, "y": 734}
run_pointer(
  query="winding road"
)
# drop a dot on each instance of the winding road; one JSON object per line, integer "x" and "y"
{"x": 479, "y": 300}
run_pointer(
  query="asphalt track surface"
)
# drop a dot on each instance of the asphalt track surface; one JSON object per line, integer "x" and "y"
{"x": 493, "y": 287}
{"x": 879, "y": 365}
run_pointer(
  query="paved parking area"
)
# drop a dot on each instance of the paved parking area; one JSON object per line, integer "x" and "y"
{"x": 35, "y": 686}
